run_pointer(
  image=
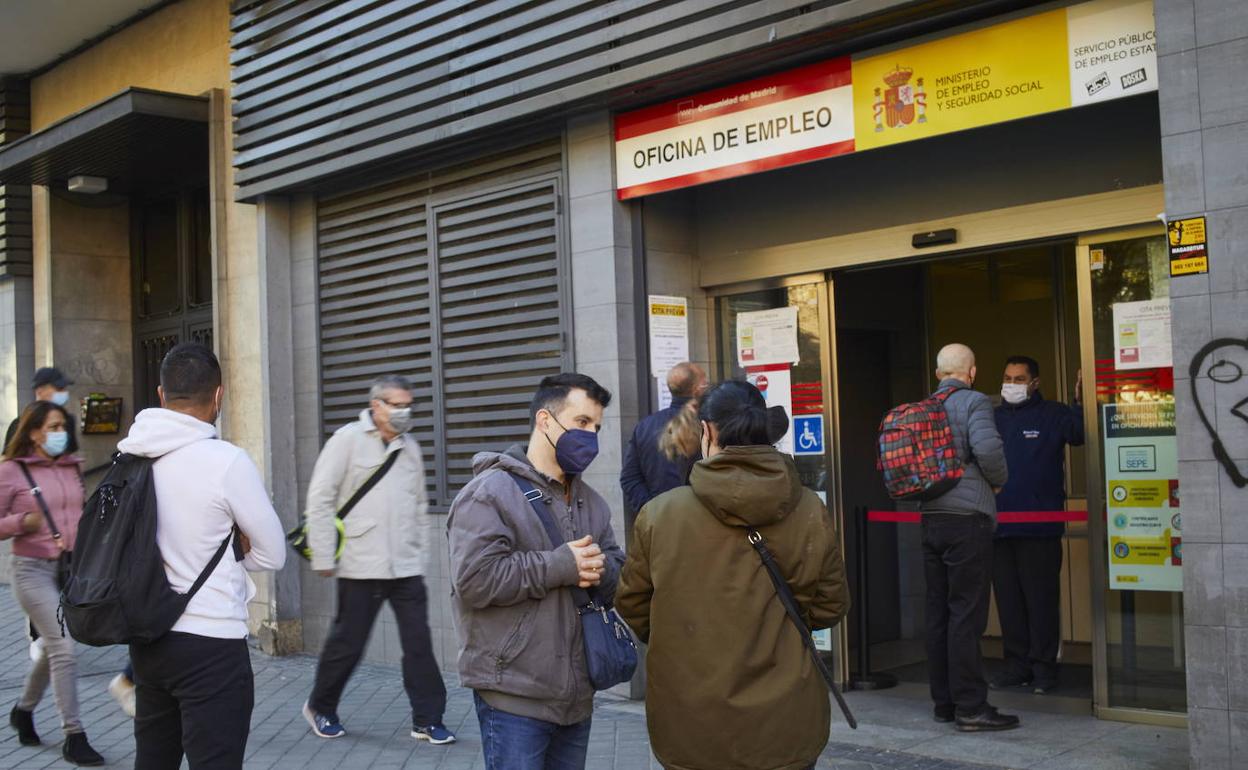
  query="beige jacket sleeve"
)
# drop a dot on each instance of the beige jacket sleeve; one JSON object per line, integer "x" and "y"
{"x": 328, "y": 476}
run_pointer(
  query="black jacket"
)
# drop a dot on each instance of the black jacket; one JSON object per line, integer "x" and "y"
{"x": 1036, "y": 433}
{"x": 647, "y": 473}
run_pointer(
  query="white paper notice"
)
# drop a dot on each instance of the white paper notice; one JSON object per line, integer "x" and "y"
{"x": 1112, "y": 50}
{"x": 1142, "y": 334}
{"x": 767, "y": 337}
{"x": 665, "y": 395}
{"x": 669, "y": 333}
{"x": 777, "y": 389}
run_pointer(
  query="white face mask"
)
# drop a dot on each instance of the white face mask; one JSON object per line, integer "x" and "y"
{"x": 1014, "y": 393}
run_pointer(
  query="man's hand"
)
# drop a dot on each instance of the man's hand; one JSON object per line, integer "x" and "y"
{"x": 31, "y": 523}
{"x": 589, "y": 561}
{"x": 1079, "y": 386}
{"x": 996, "y": 490}
{"x": 245, "y": 542}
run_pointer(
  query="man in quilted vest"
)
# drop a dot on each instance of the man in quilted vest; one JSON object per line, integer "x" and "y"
{"x": 957, "y": 553}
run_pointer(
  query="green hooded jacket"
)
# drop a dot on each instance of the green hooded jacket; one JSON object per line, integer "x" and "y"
{"x": 729, "y": 684}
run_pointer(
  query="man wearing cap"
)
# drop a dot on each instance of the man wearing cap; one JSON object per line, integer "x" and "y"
{"x": 51, "y": 384}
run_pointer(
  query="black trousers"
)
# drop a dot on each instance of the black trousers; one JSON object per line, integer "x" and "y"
{"x": 195, "y": 695}
{"x": 957, "y": 562}
{"x": 1026, "y": 576}
{"x": 359, "y": 601}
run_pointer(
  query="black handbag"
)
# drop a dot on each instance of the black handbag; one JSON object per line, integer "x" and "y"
{"x": 610, "y": 651}
{"x": 63, "y": 561}
{"x": 785, "y": 594}
{"x": 298, "y": 537}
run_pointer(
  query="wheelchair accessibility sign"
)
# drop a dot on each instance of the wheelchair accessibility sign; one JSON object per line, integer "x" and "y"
{"x": 808, "y": 434}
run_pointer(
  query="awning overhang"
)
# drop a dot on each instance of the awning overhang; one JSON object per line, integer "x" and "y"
{"x": 139, "y": 140}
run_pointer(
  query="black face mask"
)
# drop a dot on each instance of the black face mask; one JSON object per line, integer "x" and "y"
{"x": 575, "y": 449}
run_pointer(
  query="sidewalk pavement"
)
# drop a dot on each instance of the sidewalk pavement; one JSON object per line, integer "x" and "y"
{"x": 377, "y": 719}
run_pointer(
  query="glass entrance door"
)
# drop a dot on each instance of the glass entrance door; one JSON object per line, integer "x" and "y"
{"x": 1133, "y": 492}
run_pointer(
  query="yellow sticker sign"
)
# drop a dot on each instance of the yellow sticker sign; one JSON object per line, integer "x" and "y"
{"x": 1139, "y": 493}
{"x": 1189, "y": 249}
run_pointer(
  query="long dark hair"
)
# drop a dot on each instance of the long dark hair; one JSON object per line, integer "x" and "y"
{"x": 740, "y": 415}
{"x": 33, "y": 419}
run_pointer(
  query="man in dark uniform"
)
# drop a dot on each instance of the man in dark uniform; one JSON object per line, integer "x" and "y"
{"x": 1027, "y": 561}
{"x": 51, "y": 384}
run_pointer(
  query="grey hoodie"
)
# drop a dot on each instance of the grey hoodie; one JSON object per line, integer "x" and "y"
{"x": 519, "y": 634}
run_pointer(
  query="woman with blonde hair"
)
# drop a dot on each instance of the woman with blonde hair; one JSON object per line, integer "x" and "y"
{"x": 41, "y": 499}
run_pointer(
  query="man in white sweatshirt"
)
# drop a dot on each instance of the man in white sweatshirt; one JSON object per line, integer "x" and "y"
{"x": 195, "y": 686}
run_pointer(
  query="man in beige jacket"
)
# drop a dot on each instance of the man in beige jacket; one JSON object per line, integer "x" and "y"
{"x": 388, "y": 536}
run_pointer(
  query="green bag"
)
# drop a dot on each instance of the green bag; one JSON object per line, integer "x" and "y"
{"x": 298, "y": 537}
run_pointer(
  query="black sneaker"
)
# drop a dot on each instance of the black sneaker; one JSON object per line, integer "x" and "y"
{"x": 24, "y": 723}
{"x": 1043, "y": 688}
{"x": 943, "y": 714}
{"x": 987, "y": 720}
{"x": 1005, "y": 681}
{"x": 78, "y": 752}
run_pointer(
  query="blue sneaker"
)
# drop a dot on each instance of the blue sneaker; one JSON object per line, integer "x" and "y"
{"x": 435, "y": 734}
{"x": 325, "y": 727}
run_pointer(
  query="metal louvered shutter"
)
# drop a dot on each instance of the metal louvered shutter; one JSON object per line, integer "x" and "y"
{"x": 454, "y": 280}
{"x": 500, "y": 326}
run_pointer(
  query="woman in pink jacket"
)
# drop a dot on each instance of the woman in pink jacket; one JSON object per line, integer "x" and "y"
{"x": 37, "y": 453}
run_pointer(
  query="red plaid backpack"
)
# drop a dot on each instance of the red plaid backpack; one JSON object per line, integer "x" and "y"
{"x": 916, "y": 451}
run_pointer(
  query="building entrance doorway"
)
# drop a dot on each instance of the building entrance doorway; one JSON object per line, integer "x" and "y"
{"x": 1013, "y": 302}
{"x": 866, "y": 340}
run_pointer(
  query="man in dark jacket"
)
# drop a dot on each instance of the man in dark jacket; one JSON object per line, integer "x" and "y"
{"x": 957, "y": 553}
{"x": 520, "y": 637}
{"x": 647, "y": 472}
{"x": 1027, "y": 563}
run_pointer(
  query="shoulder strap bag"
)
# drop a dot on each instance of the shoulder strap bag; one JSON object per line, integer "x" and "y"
{"x": 610, "y": 652}
{"x": 63, "y": 560}
{"x": 785, "y": 594}
{"x": 298, "y": 537}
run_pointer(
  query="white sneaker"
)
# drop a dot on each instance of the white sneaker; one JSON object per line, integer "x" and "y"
{"x": 122, "y": 690}
{"x": 36, "y": 650}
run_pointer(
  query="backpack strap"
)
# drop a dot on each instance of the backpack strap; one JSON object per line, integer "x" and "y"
{"x": 212, "y": 565}
{"x": 580, "y": 596}
{"x": 368, "y": 485}
{"x": 942, "y": 395}
{"x": 37, "y": 493}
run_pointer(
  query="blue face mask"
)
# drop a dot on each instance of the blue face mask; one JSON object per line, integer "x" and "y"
{"x": 60, "y": 397}
{"x": 56, "y": 443}
{"x": 575, "y": 449}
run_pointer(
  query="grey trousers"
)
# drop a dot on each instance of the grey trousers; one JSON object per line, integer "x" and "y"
{"x": 34, "y": 585}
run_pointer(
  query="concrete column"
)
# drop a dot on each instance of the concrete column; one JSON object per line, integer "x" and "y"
{"x": 1202, "y": 47}
{"x": 603, "y": 278}
{"x": 281, "y": 631}
{"x": 604, "y": 291}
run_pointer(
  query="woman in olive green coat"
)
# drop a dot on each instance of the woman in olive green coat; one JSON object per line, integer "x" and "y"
{"x": 729, "y": 684}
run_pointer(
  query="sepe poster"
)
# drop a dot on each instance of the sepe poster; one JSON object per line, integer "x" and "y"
{"x": 1142, "y": 334}
{"x": 767, "y": 337}
{"x": 1143, "y": 517}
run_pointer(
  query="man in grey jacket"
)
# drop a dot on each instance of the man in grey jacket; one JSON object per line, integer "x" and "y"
{"x": 386, "y": 543}
{"x": 957, "y": 552}
{"x": 520, "y": 637}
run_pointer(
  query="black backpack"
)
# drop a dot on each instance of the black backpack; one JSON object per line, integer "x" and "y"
{"x": 117, "y": 591}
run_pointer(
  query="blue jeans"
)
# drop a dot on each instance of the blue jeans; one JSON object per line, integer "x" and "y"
{"x": 512, "y": 742}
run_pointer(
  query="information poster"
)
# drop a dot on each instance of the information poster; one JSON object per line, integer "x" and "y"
{"x": 766, "y": 337}
{"x": 1144, "y": 520}
{"x": 1142, "y": 334}
{"x": 669, "y": 333}
{"x": 1189, "y": 248}
{"x": 776, "y": 384}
